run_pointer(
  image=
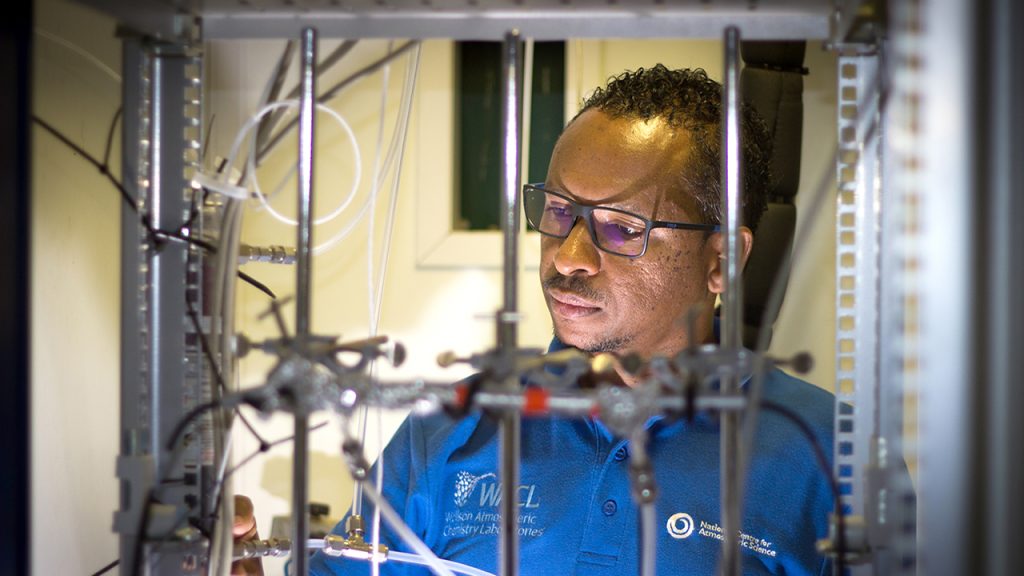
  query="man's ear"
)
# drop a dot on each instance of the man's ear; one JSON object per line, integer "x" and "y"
{"x": 715, "y": 257}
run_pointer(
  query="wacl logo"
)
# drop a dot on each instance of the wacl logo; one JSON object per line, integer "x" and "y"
{"x": 680, "y": 525}
{"x": 465, "y": 483}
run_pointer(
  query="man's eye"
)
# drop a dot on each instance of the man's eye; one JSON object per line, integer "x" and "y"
{"x": 628, "y": 231}
{"x": 559, "y": 210}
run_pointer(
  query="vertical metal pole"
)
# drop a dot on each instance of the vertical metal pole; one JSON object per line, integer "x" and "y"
{"x": 300, "y": 465}
{"x": 1003, "y": 257}
{"x": 732, "y": 300}
{"x": 510, "y": 422}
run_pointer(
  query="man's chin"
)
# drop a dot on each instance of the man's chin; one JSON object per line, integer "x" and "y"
{"x": 569, "y": 337}
{"x": 587, "y": 342}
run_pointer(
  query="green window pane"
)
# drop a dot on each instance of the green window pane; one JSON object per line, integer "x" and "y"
{"x": 478, "y": 130}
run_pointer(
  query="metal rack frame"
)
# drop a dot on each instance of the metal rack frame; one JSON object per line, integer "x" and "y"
{"x": 895, "y": 265}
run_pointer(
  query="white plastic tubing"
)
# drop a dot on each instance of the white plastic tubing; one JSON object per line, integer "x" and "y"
{"x": 405, "y": 557}
{"x": 455, "y": 566}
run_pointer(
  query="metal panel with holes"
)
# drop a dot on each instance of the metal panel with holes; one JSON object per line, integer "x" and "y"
{"x": 161, "y": 369}
{"x": 857, "y": 278}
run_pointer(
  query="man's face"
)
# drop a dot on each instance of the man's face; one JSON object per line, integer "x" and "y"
{"x": 602, "y": 302}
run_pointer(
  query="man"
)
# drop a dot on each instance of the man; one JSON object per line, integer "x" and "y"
{"x": 631, "y": 263}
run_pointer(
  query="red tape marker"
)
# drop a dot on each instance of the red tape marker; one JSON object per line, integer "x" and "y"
{"x": 536, "y": 401}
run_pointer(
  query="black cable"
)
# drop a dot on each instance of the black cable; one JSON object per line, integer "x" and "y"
{"x": 140, "y": 536}
{"x": 110, "y": 136}
{"x": 206, "y": 141}
{"x": 819, "y": 454}
{"x": 326, "y": 64}
{"x": 215, "y": 515}
{"x": 147, "y": 508}
{"x": 208, "y": 352}
{"x": 103, "y": 168}
{"x": 186, "y": 420}
{"x": 175, "y": 445}
{"x": 333, "y": 91}
{"x": 257, "y": 284}
{"x": 263, "y": 449}
{"x": 156, "y": 234}
{"x": 107, "y": 568}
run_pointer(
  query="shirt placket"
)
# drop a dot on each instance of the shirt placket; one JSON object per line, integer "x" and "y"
{"x": 611, "y": 516}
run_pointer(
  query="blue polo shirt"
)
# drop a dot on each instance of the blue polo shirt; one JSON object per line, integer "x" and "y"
{"x": 576, "y": 513}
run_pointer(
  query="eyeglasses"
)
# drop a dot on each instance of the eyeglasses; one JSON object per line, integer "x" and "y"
{"x": 612, "y": 230}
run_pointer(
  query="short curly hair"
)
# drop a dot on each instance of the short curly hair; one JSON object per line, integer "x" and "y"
{"x": 691, "y": 100}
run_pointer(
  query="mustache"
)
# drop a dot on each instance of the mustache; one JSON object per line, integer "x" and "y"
{"x": 573, "y": 284}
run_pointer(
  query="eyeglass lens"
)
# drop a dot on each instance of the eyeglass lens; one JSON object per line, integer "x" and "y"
{"x": 613, "y": 230}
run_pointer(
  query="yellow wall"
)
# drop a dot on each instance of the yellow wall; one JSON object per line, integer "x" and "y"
{"x": 75, "y": 294}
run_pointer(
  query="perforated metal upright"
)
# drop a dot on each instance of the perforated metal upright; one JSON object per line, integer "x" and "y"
{"x": 857, "y": 278}
{"x": 161, "y": 364}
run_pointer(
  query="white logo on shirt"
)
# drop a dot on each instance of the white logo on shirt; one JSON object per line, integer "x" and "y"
{"x": 468, "y": 519}
{"x": 680, "y": 525}
{"x": 465, "y": 483}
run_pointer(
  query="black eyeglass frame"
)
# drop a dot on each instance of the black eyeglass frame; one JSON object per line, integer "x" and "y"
{"x": 585, "y": 212}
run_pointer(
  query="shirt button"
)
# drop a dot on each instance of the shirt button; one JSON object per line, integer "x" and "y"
{"x": 609, "y": 507}
{"x": 621, "y": 454}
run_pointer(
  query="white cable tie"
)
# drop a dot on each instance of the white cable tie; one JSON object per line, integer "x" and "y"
{"x": 201, "y": 180}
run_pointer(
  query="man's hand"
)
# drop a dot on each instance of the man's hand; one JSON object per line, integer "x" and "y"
{"x": 244, "y": 530}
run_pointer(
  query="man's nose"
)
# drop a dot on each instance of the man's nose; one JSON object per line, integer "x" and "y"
{"x": 577, "y": 253}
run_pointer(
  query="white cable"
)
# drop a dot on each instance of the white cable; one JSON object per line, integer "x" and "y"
{"x": 371, "y": 204}
{"x": 380, "y": 482}
{"x": 223, "y": 186}
{"x": 251, "y": 171}
{"x": 374, "y": 189}
{"x": 215, "y": 333}
{"x": 406, "y": 534}
{"x": 397, "y": 145}
{"x": 337, "y": 238}
{"x": 407, "y": 558}
{"x": 224, "y": 532}
{"x": 648, "y": 530}
{"x": 360, "y": 432}
{"x": 246, "y": 128}
{"x": 394, "y": 150}
{"x": 455, "y": 566}
{"x": 403, "y": 125}
{"x": 280, "y": 185}
{"x": 231, "y": 237}
{"x": 408, "y": 90}
{"x": 80, "y": 51}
